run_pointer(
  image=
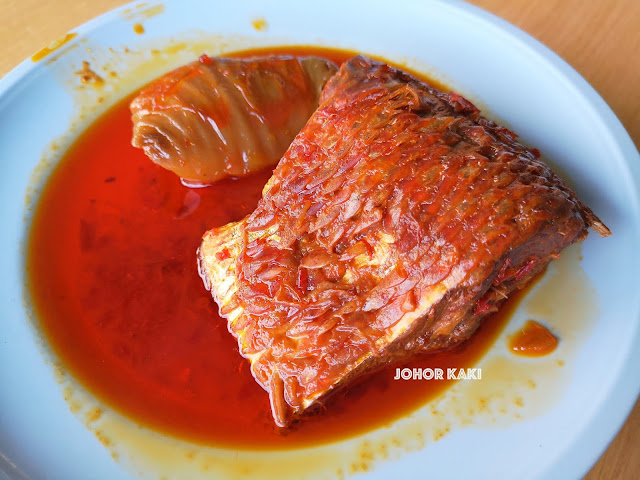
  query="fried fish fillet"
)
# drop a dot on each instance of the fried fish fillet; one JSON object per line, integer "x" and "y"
{"x": 220, "y": 117}
{"x": 396, "y": 220}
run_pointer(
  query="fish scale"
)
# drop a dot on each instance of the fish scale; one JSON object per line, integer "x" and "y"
{"x": 439, "y": 217}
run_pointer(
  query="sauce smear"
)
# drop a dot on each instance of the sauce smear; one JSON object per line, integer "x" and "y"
{"x": 114, "y": 281}
{"x": 533, "y": 340}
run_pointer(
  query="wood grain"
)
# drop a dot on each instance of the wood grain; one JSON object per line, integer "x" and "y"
{"x": 600, "y": 39}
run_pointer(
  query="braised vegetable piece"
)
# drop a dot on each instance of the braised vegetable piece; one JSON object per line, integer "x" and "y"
{"x": 220, "y": 117}
{"x": 396, "y": 221}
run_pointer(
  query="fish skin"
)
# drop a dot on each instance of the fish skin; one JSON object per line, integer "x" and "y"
{"x": 397, "y": 220}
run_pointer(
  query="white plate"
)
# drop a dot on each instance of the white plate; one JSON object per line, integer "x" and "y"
{"x": 487, "y": 60}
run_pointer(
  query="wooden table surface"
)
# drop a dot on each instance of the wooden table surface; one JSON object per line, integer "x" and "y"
{"x": 600, "y": 39}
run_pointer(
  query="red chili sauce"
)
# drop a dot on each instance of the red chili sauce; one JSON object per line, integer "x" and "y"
{"x": 114, "y": 281}
{"x": 533, "y": 340}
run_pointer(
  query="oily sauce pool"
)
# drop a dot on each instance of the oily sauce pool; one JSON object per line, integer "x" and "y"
{"x": 113, "y": 275}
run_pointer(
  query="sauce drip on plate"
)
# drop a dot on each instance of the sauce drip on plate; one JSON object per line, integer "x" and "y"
{"x": 533, "y": 340}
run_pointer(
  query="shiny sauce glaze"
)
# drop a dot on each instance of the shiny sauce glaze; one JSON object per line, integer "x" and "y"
{"x": 533, "y": 340}
{"x": 112, "y": 270}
